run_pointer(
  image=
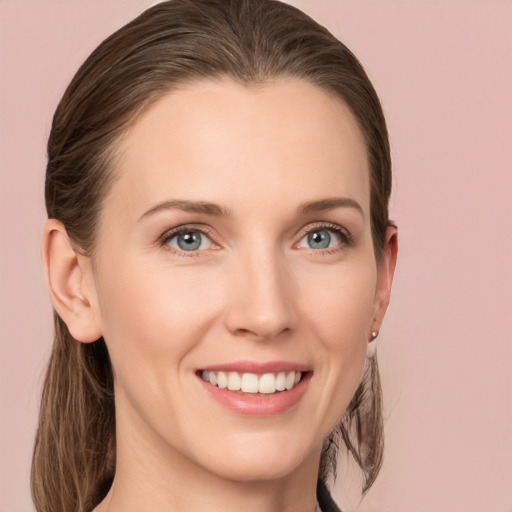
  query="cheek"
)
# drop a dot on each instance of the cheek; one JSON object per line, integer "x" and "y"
{"x": 150, "y": 316}
{"x": 340, "y": 306}
{"x": 152, "y": 319}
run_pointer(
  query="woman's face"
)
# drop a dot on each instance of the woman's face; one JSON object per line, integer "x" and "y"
{"x": 235, "y": 246}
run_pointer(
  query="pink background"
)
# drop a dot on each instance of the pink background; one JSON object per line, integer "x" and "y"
{"x": 444, "y": 72}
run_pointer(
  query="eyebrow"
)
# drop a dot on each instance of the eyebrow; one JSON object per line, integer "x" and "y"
{"x": 207, "y": 208}
{"x": 330, "y": 204}
{"x": 203, "y": 207}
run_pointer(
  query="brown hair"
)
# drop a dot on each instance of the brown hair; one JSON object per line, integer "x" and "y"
{"x": 175, "y": 42}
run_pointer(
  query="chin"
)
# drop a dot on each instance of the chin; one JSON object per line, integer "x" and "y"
{"x": 256, "y": 471}
{"x": 259, "y": 461}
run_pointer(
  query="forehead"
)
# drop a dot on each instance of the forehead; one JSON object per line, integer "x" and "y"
{"x": 222, "y": 140}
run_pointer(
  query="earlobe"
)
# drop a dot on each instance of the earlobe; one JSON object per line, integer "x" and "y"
{"x": 385, "y": 273}
{"x": 66, "y": 275}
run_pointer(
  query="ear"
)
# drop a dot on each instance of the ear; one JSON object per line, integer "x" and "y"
{"x": 70, "y": 282}
{"x": 385, "y": 272}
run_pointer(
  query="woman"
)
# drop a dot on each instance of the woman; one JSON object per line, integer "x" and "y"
{"x": 219, "y": 256}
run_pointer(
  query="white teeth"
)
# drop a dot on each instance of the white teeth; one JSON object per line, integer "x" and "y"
{"x": 249, "y": 383}
{"x": 290, "y": 380}
{"x": 234, "y": 381}
{"x": 222, "y": 380}
{"x": 266, "y": 383}
{"x": 281, "y": 381}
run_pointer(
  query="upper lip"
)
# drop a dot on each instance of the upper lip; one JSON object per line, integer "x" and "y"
{"x": 258, "y": 367}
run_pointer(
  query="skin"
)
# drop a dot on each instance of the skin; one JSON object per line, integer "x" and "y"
{"x": 254, "y": 291}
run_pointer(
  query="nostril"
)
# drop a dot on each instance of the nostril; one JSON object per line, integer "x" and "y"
{"x": 262, "y": 333}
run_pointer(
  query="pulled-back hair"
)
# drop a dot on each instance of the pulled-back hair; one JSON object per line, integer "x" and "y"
{"x": 170, "y": 44}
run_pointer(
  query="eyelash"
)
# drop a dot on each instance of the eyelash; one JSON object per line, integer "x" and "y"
{"x": 347, "y": 239}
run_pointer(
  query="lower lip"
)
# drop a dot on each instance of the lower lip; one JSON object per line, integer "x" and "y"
{"x": 258, "y": 404}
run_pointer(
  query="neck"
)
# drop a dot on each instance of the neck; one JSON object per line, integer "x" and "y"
{"x": 151, "y": 476}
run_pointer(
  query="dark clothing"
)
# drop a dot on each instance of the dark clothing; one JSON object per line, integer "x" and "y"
{"x": 324, "y": 499}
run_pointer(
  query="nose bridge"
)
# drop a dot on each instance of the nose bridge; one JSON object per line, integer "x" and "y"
{"x": 261, "y": 293}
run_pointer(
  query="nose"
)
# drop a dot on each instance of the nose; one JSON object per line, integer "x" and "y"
{"x": 261, "y": 297}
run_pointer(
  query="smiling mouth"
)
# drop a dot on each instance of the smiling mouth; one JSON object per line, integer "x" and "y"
{"x": 252, "y": 383}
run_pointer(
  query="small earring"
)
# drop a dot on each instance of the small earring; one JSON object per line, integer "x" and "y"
{"x": 84, "y": 300}
{"x": 374, "y": 334}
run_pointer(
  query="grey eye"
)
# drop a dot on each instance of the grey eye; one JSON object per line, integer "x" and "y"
{"x": 320, "y": 239}
{"x": 189, "y": 241}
